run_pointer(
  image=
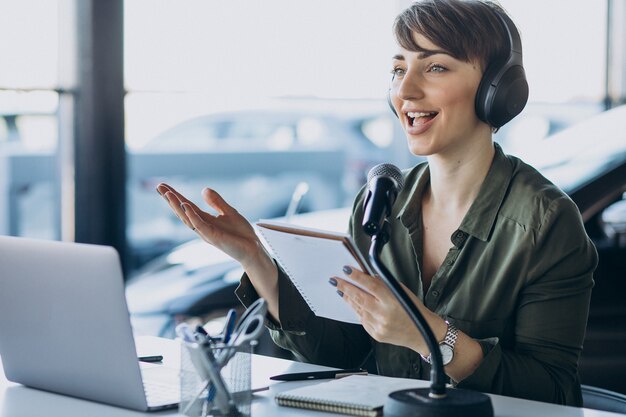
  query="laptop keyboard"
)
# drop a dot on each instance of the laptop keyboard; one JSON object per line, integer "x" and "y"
{"x": 161, "y": 393}
{"x": 161, "y": 385}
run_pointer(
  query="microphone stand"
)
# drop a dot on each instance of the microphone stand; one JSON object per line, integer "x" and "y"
{"x": 436, "y": 400}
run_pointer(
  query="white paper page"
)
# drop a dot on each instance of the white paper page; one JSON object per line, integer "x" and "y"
{"x": 370, "y": 390}
{"x": 310, "y": 262}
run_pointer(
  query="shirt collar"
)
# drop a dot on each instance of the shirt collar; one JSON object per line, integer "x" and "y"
{"x": 481, "y": 216}
{"x": 411, "y": 208}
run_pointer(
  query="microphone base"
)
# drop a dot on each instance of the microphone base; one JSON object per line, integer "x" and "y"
{"x": 458, "y": 402}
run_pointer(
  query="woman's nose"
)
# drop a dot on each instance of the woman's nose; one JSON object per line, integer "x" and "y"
{"x": 410, "y": 87}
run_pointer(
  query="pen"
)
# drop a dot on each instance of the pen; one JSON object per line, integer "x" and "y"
{"x": 301, "y": 376}
{"x": 231, "y": 318}
{"x": 155, "y": 358}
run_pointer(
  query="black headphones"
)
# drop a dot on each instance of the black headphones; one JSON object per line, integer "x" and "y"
{"x": 503, "y": 89}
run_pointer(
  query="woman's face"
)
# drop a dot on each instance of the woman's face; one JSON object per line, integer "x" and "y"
{"x": 433, "y": 94}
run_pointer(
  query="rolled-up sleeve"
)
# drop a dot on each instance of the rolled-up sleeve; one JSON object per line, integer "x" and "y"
{"x": 310, "y": 338}
{"x": 293, "y": 310}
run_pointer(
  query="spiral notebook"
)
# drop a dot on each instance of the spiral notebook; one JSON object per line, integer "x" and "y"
{"x": 357, "y": 395}
{"x": 310, "y": 257}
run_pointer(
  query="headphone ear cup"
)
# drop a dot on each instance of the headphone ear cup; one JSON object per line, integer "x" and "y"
{"x": 509, "y": 98}
{"x": 497, "y": 102}
{"x": 485, "y": 89}
{"x": 503, "y": 89}
{"x": 390, "y": 103}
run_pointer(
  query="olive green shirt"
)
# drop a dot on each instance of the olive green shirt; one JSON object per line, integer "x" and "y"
{"x": 517, "y": 278}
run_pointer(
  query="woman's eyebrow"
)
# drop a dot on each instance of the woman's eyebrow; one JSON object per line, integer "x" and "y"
{"x": 427, "y": 53}
{"x": 423, "y": 54}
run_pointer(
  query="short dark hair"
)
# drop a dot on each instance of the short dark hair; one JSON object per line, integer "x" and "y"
{"x": 469, "y": 30}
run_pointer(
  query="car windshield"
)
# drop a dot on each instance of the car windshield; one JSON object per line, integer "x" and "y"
{"x": 579, "y": 154}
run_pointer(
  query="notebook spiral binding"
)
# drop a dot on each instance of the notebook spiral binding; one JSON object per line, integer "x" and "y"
{"x": 292, "y": 278}
{"x": 328, "y": 406}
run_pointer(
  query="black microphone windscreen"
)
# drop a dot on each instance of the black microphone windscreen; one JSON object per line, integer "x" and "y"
{"x": 388, "y": 171}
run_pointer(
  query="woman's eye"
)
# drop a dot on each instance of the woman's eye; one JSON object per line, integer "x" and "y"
{"x": 397, "y": 72}
{"x": 437, "y": 68}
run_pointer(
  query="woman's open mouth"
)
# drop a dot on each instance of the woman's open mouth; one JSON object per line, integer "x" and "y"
{"x": 419, "y": 118}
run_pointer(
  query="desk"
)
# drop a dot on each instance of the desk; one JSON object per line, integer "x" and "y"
{"x": 20, "y": 401}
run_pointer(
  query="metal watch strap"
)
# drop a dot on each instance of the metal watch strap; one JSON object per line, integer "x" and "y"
{"x": 451, "y": 334}
{"x": 449, "y": 339}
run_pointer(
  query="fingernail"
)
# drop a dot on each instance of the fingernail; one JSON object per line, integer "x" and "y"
{"x": 157, "y": 190}
{"x": 347, "y": 270}
{"x": 340, "y": 293}
{"x": 333, "y": 282}
{"x": 182, "y": 206}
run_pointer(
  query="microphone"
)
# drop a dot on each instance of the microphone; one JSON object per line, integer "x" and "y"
{"x": 384, "y": 182}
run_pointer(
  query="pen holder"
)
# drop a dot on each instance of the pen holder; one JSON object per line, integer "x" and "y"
{"x": 215, "y": 380}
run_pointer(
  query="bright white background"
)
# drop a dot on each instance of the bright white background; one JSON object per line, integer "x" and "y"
{"x": 188, "y": 57}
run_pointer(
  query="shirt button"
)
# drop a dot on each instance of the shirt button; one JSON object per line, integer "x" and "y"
{"x": 435, "y": 293}
{"x": 416, "y": 367}
{"x": 460, "y": 235}
{"x": 449, "y": 262}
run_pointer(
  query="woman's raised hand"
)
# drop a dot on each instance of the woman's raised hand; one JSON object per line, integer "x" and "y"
{"x": 228, "y": 230}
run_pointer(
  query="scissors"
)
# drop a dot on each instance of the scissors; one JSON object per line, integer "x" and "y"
{"x": 247, "y": 330}
{"x": 258, "y": 307}
{"x": 231, "y": 319}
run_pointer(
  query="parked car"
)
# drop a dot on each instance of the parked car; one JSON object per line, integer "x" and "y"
{"x": 366, "y": 135}
{"x": 587, "y": 160}
{"x": 263, "y": 147}
{"x": 257, "y": 158}
{"x": 540, "y": 121}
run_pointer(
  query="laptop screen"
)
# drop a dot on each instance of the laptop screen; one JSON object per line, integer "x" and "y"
{"x": 64, "y": 323}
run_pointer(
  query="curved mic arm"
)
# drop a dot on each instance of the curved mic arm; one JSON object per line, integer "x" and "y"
{"x": 437, "y": 375}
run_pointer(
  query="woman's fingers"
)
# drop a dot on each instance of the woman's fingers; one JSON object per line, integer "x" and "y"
{"x": 181, "y": 198}
{"x": 175, "y": 205}
{"x": 381, "y": 314}
{"x": 163, "y": 189}
{"x": 175, "y": 199}
{"x": 360, "y": 300}
{"x": 372, "y": 284}
{"x": 214, "y": 200}
{"x": 196, "y": 222}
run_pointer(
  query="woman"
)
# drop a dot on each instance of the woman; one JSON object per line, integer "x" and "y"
{"x": 494, "y": 255}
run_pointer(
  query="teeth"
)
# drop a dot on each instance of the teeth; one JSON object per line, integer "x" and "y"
{"x": 414, "y": 115}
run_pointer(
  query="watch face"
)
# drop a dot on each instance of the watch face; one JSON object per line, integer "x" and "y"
{"x": 446, "y": 353}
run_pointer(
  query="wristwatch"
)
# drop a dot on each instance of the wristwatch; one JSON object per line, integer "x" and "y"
{"x": 447, "y": 346}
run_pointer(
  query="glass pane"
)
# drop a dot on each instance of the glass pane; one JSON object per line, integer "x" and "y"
{"x": 240, "y": 50}
{"x": 565, "y": 66}
{"x": 29, "y": 47}
{"x": 271, "y": 151}
{"x": 222, "y": 77}
{"x": 29, "y": 203}
{"x": 238, "y": 77}
{"x": 233, "y": 94}
{"x": 564, "y": 48}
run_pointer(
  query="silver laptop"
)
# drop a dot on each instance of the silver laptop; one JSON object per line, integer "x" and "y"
{"x": 65, "y": 326}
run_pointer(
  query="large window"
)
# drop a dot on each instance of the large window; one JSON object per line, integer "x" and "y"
{"x": 28, "y": 124}
{"x": 564, "y": 48}
{"x": 254, "y": 98}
